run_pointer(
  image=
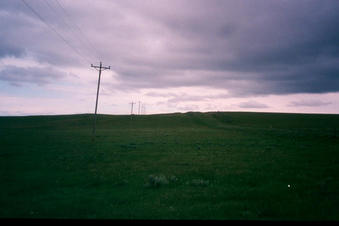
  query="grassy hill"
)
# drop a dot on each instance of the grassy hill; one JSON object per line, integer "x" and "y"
{"x": 216, "y": 165}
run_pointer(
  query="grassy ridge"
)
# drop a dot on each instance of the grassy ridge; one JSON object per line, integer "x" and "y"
{"x": 172, "y": 166}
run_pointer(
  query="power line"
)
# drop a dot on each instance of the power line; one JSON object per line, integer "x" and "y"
{"x": 72, "y": 33}
{"x": 54, "y": 30}
{"x": 78, "y": 28}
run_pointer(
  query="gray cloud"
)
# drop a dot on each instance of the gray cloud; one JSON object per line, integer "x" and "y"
{"x": 156, "y": 94}
{"x": 183, "y": 97}
{"x": 249, "y": 48}
{"x": 252, "y": 104}
{"x": 192, "y": 107}
{"x": 309, "y": 103}
{"x": 36, "y": 75}
{"x": 9, "y": 49}
{"x": 26, "y": 35}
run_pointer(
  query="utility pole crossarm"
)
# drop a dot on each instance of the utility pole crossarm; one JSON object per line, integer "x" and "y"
{"x": 101, "y": 67}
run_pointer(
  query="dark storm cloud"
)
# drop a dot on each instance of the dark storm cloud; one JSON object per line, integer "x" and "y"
{"x": 247, "y": 47}
{"x": 39, "y": 76}
{"x": 266, "y": 47}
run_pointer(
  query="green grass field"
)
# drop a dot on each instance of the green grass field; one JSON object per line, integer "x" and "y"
{"x": 217, "y": 165}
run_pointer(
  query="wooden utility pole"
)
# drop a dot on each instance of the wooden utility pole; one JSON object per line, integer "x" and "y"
{"x": 98, "y": 68}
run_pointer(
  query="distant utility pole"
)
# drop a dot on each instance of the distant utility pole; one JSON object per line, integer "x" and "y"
{"x": 139, "y": 109}
{"x": 132, "y": 103}
{"x": 98, "y": 68}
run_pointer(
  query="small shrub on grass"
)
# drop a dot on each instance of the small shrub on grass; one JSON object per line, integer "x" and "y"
{"x": 156, "y": 181}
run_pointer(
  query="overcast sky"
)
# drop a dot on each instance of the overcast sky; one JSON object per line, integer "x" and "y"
{"x": 171, "y": 55}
